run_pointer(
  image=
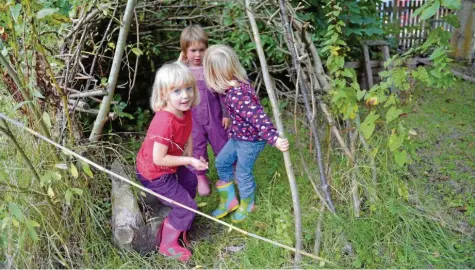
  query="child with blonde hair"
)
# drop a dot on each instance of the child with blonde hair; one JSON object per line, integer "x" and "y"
{"x": 165, "y": 153}
{"x": 250, "y": 130}
{"x": 209, "y": 116}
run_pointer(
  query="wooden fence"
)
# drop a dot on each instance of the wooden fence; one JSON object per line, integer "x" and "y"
{"x": 410, "y": 31}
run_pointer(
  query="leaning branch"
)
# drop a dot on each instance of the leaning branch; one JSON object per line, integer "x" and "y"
{"x": 275, "y": 108}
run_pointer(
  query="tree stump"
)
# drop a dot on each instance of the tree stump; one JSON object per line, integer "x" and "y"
{"x": 127, "y": 221}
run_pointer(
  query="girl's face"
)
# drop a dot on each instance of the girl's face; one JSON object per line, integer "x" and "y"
{"x": 179, "y": 100}
{"x": 195, "y": 53}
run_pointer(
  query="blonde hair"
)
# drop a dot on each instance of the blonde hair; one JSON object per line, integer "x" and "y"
{"x": 192, "y": 34}
{"x": 170, "y": 77}
{"x": 222, "y": 68}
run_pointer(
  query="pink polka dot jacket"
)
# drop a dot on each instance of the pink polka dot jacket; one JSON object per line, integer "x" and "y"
{"x": 249, "y": 122}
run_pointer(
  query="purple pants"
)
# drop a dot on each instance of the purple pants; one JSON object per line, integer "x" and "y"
{"x": 179, "y": 187}
{"x": 207, "y": 126}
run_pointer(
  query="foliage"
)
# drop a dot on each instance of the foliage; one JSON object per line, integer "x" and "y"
{"x": 360, "y": 21}
{"x": 346, "y": 95}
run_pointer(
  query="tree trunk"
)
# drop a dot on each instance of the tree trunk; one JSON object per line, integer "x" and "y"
{"x": 462, "y": 38}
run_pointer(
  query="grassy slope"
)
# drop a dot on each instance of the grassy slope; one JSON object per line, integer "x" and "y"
{"x": 413, "y": 222}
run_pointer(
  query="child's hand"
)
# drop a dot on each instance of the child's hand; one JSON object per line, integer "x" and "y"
{"x": 225, "y": 122}
{"x": 199, "y": 164}
{"x": 188, "y": 152}
{"x": 282, "y": 144}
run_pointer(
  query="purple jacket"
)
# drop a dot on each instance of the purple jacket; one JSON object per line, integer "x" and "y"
{"x": 249, "y": 121}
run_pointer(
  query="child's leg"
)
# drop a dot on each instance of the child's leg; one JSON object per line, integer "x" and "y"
{"x": 187, "y": 180}
{"x": 227, "y": 195}
{"x": 169, "y": 187}
{"x": 178, "y": 220}
{"x": 200, "y": 142}
{"x": 247, "y": 153}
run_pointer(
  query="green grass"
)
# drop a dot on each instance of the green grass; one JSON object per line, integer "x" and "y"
{"x": 420, "y": 218}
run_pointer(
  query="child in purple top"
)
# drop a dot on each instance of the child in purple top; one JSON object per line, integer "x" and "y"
{"x": 209, "y": 117}
{"x": 250, "y": 130}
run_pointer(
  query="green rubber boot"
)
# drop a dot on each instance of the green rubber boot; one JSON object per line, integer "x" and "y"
{"x": 245, "y": 207}
{"x": 227, "y": 199}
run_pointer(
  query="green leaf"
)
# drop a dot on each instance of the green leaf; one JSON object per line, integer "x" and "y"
{"x": 68, "y": 195}
{"x": 19, "y": 105}
{"x": 37, "y": 94}
{"x": 87, "y": 169}
{"x": 46, "y": 12}
{"x": 395, "y": 141}
{"x": 50, "y": 192}
{"x": 15, "y": 210}
{"x": 74, "y": 171}
{"x": 392, "y": 114}
{"x": 47, "y": 119}
{"x": 452, "y": 4}
{"x": 452, "y": 20}
{"x": 111, "y": 44}
{"x": 78, "y": 191}
{"x": 400, "y": 157}
{"x": 360, "y": 94}
{"x": 137, "y": 51}
{"x": 391, "y": 101}
{"x": 15, "y": 222}
{"x": 32, "y": 223}
{"x": 33, "y": 234}
{"x": 367, "y": 127}
{"x": 430, "y": 11}
{"x": 436, "y": 53}
{"x": 15, "y": 11}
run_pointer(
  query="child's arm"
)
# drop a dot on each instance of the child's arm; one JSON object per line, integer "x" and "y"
{"x": 161, "y": 158}
{"x": 225, "y": 121}
{"x": 253, "y": 113}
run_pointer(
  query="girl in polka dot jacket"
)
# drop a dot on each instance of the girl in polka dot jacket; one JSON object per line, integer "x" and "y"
{"x": 250, "y": 130}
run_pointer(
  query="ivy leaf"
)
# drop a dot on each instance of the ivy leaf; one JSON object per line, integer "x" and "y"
{"x": 46, "y": 12}
{"x": 367, "y": 127}
{"x": 430, "y": 11}
{"x": 400, "y": 157}
{"x": 392, "y": 114}
{"x": 452, "y": 20}
{"x": 74, "y": 171}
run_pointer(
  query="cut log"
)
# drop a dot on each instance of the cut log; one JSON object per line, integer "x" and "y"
{"x": 127, "y": 221}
